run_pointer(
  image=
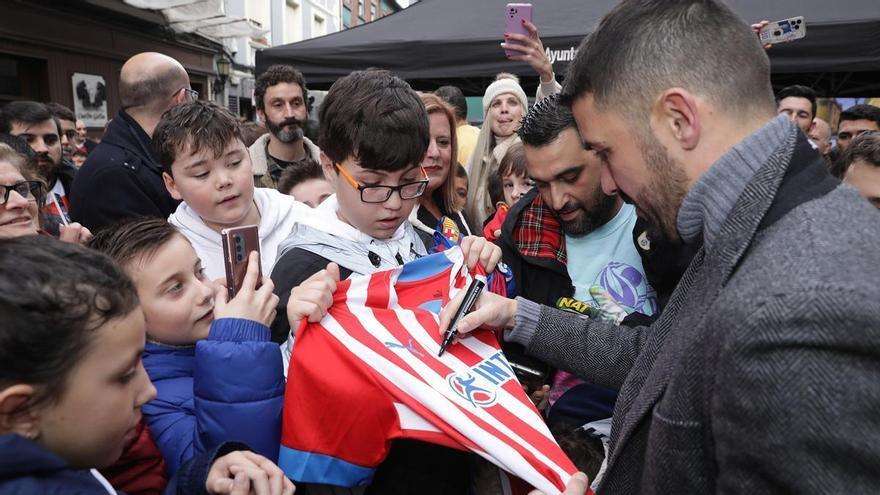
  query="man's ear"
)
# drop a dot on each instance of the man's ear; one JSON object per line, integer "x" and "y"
{"x": 677, "y": 113}
{"x": 170, "y": 186}
{"x": 261, "y": 115}
{"x": 14, "y": 416}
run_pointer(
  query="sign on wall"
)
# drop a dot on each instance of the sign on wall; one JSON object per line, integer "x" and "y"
{"x": 90, "y": 99}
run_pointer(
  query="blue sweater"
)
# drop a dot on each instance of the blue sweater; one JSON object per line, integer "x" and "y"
{"x": 27, "y": 468}
{"x": 226, "y": 388}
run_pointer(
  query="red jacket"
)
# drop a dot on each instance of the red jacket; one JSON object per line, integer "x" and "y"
{"x": 141, "y": 469}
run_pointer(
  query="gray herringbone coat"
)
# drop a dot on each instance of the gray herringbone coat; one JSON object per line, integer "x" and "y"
{"x": 763, "y": 373}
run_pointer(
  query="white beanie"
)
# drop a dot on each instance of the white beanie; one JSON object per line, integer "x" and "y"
{"x": 504, "y": 86}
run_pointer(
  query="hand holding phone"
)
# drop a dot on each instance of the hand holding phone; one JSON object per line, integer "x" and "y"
{"x": 254, "y": 301}
{"x": 783, "y": 30}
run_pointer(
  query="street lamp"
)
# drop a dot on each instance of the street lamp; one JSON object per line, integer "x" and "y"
{"x": 223, "y": 67}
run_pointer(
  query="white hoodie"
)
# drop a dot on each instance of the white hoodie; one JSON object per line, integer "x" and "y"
{"x": 279, "y": 213}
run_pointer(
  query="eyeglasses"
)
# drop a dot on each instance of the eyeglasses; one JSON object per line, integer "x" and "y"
{"x": 381, "y": 194}
{"x": 29, "y": 189}
{"x": 191, "y": 94}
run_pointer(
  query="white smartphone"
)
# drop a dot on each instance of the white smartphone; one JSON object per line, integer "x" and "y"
{"x": 785, "y": 30}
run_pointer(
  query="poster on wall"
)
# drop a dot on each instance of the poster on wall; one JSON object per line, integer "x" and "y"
{"x": 90, "y": 99}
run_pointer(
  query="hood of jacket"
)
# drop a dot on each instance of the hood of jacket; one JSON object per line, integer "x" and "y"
{"x": 164, "y": 362}
{"x": 278, "y": 215}
{"x": 260, "y": 155}
{"x": 324, "y": 234}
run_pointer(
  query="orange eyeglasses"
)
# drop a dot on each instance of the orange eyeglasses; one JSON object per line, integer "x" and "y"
{"x": 380, "y": 194}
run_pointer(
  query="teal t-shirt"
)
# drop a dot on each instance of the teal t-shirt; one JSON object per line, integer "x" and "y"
{"x": 608, "y": 257}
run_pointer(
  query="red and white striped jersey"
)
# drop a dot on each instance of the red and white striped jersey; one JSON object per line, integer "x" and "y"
{"x": 368, "y": 373}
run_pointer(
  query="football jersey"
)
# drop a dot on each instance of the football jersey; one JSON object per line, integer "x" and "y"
{"x": 368, "y": 373}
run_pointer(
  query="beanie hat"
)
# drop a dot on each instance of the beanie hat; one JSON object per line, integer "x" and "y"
{"x": 504, "y": 86}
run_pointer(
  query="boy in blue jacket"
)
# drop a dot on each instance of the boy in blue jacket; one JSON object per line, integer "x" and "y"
{"x": 218, "y": 375}
{"x": 72, "y": 383}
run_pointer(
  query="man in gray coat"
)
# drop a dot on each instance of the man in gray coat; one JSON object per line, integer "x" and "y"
{"x": 763, "y": 373}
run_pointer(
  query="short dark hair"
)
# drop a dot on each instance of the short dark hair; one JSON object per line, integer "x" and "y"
{"x": 376, "y": 118}
{"x": 278, "y": 74}
{"x": 643, "y": 47}
{"x": 201, "y": 124}
{"x": 513, "y": 163}
{"x": 133, "y": 242}
{"x": 24, "y": 112}
{"x": 298, "y": 172}
{"x": 460, "y": 171}
{"x": 798, "y": 91}
{"x": 544, "y": 121}
{"x": 60, "y": 111}
{"x": 865, "y": 147}
{"x": 861, "y": 112}
{"x": 53, "y": 296}
{"x": 454, "y": 97}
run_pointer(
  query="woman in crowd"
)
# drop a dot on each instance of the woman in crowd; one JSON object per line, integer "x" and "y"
{"x": 23, "y": 192}
{"x": 440, "y": 164}
{"x": 504, "y": 104}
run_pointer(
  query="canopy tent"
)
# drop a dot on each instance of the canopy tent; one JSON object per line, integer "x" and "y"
{"x": 436, "y": 42}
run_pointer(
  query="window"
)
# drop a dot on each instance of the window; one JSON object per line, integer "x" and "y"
{"x": 372, "y": 11}
{"x": 361, "y": 9}
{"x": 346, "y": 17}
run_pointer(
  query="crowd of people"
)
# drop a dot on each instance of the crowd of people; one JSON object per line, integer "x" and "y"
{"x": 688, "y": 263}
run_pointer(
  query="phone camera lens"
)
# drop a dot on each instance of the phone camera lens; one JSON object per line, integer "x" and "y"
{"x": 238, "y": 239}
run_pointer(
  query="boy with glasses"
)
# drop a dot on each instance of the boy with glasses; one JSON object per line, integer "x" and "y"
{"x": 373, "y": 137}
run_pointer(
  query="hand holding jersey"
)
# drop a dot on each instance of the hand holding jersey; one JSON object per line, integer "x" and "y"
{"x": 371, "y": 369}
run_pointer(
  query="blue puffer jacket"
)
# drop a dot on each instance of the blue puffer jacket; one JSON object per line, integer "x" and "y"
{"x": 27, "y": 468}
{"x": 227, "y": 388}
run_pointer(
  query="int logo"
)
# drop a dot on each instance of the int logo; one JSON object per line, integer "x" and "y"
{"x": 479, "y": 385}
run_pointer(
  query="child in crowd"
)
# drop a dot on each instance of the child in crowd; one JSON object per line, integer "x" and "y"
{"x": 207, "y": 165}
{"x": 461, "y": 186}
{"x": 506, "y": 188}
{"x": 218, "y": 375}
{"x": 514, "y": 175}
{"x": 373, "y": 136}
{"x": 304, "y": 180}
{"x": 71, "y": 379}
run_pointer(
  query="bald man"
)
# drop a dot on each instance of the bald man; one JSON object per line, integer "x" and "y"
{"x": 820, "y": 134}
{"x": 122, "y": 178}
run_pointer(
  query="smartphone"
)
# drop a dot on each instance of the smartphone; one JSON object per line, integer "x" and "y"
{"x": 785, "y": 30}
{"x": 532, "y": 378}
{"x": 514, "y": 14}
{"x": 238, "y": 242}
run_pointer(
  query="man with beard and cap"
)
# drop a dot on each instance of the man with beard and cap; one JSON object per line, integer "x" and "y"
{"x": 122, "y": 177}
{"x": 760, "y": 376}
{"x": 34, "y": 123}
{"x": 281, "y": 97}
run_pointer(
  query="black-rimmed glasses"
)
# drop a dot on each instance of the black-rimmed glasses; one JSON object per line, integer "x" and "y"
{"x": 381, "y": 194}
{"x": 29, "y": 189}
